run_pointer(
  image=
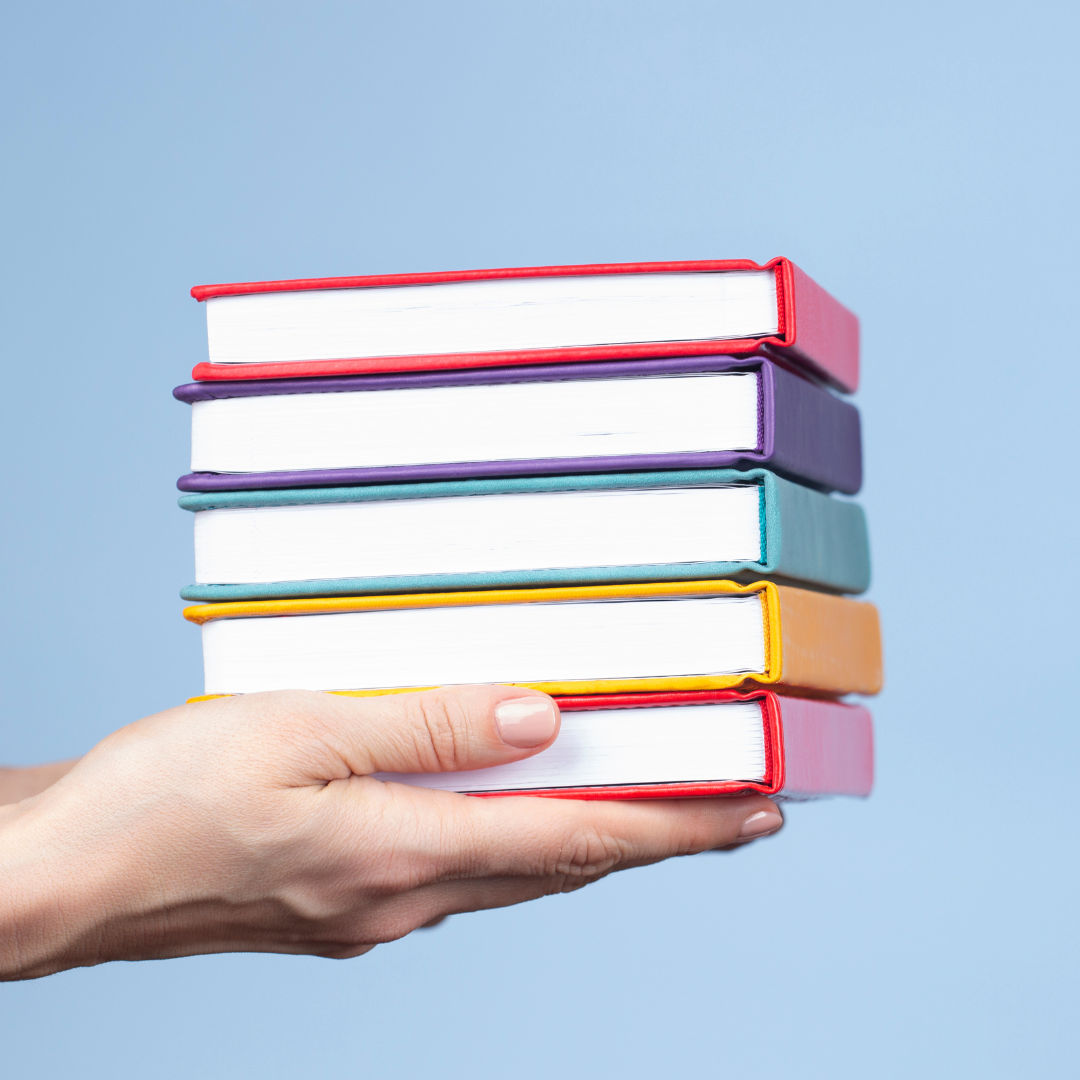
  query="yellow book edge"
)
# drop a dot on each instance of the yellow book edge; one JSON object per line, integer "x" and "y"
{"x": 770, "y": 609}
{"x": 253, "y": 609}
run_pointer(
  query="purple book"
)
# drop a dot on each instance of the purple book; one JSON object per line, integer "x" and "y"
{"x": 804, "y": 432}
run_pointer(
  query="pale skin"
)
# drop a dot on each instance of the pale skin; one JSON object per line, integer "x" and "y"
{"x": 252, "y": 824}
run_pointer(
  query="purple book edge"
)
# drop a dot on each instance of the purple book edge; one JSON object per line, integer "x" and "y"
{"x": 211, "y": 391}
{"x": 817, "y": 442}
{"x": 396, "y": 474}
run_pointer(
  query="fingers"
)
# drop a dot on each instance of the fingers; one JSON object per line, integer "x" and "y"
{"x": 577, "y": 841}
{"x": 452, "y": 729}
{"x": 586, "y": 840}
{"x": 760, "y": 823}
{"x": 592, "y": 840}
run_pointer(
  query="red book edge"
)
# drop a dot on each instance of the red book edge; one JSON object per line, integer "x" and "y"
{"x": 860, "y": 780}
{"x": 814, "y": 328}
{"x": 438, "y": 277}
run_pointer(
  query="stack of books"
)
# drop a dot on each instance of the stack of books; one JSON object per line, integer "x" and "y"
{"x": 613, "y": 483}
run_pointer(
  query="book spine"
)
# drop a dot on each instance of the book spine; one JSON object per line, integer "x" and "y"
{"x": 815, "y": 538}
{"x": 813, "y": 435}
{"x": 828, "y": 748}
{"x": 820, "y": 333}
{"x": 829, "y": 645}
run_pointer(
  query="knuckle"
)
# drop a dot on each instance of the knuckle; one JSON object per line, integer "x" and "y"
{"x": 588, "y": 855}
{"x": 573, "y": 884}
{"x": 440, "y": 728}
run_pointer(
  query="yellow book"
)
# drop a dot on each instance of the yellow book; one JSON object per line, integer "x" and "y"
{"x": 698, "y": 635}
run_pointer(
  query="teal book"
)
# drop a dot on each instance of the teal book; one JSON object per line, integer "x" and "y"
{"x": 524, "y": 532}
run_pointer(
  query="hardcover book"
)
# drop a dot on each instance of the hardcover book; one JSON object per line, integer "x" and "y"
{"x": 524, "y": 532}
{"x": 681, "y": 413}
{"x": 527, "y": 315}
{"x": 649, "y": 746}
{"x": 698, "y": 635}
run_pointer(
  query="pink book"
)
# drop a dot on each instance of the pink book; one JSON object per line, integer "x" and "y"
{"x": 527, "y": 315}
{"x": 685, "y": 745}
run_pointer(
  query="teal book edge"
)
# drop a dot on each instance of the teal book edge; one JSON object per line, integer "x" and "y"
{"x": 806, "y": 537}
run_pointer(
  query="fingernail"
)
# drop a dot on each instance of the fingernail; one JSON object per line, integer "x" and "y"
{"x": 764, "y": 821}
{"x": 526, "y": 721}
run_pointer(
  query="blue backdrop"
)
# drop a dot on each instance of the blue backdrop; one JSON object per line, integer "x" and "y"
{"x": 918, "y": 159}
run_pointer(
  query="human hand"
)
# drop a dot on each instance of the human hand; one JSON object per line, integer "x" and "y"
{"x": 252, "y": 824}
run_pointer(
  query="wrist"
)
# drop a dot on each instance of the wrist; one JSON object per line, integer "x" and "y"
{"x": 50, "y": 909}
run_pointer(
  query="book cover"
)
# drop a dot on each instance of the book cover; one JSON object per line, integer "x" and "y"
{"x": 815, "y": 643}
{"x": 814, "y": 330}
{"x": 813, "y": 748}
{"x": 807, "y": 536}
{"x": 805, "y": 433}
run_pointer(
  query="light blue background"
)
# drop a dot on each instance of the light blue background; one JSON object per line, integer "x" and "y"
{"x": 918, "y": 159}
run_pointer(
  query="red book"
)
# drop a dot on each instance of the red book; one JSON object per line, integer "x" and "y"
{"x": 527, "y": 315}
{"x": 683, "y": 745}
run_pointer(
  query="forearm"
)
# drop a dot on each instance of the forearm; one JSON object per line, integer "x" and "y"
{"x": 17, "y": 784}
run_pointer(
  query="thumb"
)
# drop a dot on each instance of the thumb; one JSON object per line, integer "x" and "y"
{"x": 446, "y": 730}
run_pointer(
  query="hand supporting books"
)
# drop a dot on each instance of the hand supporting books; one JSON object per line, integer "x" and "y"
{"x": 254, "y": 824}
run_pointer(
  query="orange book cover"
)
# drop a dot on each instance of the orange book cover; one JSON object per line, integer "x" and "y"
{"x": 815, "y": 643}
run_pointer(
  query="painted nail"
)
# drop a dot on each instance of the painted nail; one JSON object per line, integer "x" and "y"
{"x": 527, "y": 721}
{"x": 759, "y": 824}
